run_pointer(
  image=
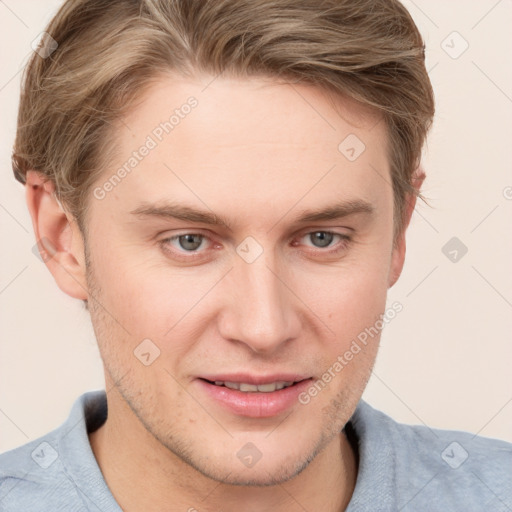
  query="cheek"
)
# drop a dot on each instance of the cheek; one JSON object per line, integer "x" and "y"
{"x": 353, "y": 309}
{"x": 153, "y": 301}
{"x": 350, "y": 300}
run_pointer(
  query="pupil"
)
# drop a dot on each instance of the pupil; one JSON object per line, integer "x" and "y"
{"x": 323, "y": 237}
{"x": 185, "y": 240}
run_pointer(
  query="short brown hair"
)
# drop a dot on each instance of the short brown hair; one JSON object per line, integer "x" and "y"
{"x": 110, "y": 51}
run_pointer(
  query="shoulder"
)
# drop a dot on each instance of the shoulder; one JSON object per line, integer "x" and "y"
{"x": 33, "y": 472}
{"x": 437, "y": 468}
{"x": 423, "y": 439}
{"x": 38, "y": 475}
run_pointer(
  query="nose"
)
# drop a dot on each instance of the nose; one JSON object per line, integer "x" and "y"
{"x": 261, "y": 311}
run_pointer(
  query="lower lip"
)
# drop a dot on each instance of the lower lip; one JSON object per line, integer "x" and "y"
{"x": 255, "y": 404}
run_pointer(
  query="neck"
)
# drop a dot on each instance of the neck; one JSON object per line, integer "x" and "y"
{"x": 125, "y": 452}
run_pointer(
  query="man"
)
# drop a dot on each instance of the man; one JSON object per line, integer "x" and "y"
{"x": 226, "y": 185}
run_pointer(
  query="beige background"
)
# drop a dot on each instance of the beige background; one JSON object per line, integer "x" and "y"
{"x": 444, "y": 360}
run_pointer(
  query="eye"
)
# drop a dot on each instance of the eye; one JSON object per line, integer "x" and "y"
{"x": 324, "y": 239}
{"x": 189, "y": 242}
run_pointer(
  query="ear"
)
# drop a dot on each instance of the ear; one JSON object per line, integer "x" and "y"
{"x": 59, "y": 239}
{"x": 398, "y": 256}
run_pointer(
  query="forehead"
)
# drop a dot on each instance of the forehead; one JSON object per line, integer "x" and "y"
{"x": 263, "y": 105}
{"x": 217, "y": 139}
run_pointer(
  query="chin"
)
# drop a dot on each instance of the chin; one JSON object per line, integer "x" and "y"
{"x": 262, "y": 476}
{"x": 264, "y": 472}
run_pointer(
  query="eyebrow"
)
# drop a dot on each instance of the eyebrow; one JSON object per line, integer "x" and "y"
{"x": 189, "y": 214}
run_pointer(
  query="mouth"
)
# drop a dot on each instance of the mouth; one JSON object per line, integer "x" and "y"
{"x": 261, "y": 398}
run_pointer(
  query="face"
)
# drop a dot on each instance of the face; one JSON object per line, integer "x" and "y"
{"x": 256, "y": 290}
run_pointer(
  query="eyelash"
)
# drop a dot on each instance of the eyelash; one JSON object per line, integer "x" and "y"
{"x": 165, "y": 243}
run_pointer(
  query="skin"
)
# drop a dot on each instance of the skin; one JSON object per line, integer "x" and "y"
{"x": 254, "y": 152}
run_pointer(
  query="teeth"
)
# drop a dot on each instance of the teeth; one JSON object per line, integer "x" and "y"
{"x": 265, "y": 388}
{"x": 252, "y": 388}
{"x": 247, "y": 387}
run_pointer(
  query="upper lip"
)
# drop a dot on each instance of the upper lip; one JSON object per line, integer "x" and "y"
{"x": 255, "y": 379}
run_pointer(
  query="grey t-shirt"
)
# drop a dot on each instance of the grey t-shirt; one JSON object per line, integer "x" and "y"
{"x": 401, "y": 467}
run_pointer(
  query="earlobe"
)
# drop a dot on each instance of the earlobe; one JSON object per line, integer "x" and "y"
{"x": 58, "y": 237}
